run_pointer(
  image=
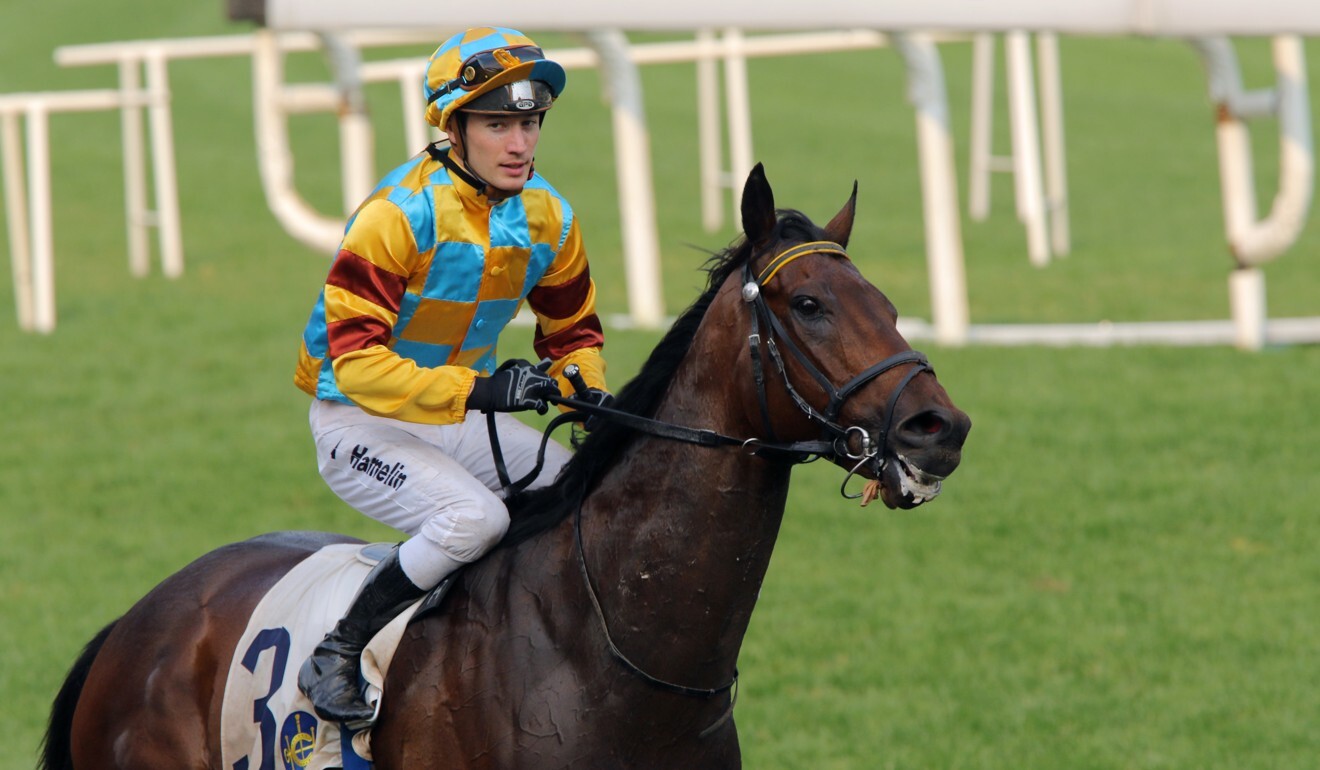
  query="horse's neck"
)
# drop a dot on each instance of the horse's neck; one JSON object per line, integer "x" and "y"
{"x": 678, "y": 537}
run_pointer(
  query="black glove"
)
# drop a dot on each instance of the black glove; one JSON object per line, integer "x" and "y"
{"x": 514, "y": 387}
{"x": 599, "y": 398}
{"x": 587, "y": 394}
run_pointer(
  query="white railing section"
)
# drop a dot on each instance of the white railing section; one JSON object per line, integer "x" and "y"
{"x": 618, "y": 61}
{"x": 1037, "y": 159}
{"x": 28, "y": 201}
{"x": 275, "y": 101}
{"x": 1254, "y": 241}
{"x": 25, "y": 144}
{"x": 939, "y": 188}
{"x": 1040, "y": 188}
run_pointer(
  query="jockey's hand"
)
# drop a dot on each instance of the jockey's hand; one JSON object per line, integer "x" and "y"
{"x": 599, "y": 398}
{"x": 516, "y": 386}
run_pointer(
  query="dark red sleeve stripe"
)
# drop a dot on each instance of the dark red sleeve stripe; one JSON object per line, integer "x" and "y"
{"x": 359, "y": 276}
{"x": 356, "y": 334}
{"x": 583, "y": 334}
{"x": 561, "y": 301}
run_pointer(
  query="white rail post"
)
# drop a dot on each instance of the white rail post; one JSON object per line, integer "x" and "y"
{"x": 1049, "y": 213}
{"x": 632, "y": 157}
{"x": 356, "y": 140}
{"x": 1026, "y": 146}
{"x": 1051, "y": 126}
{"x": 43, "y": 248}
{"x": 939, "y": 188}
{"x": 414, "y": 114}
{"x": 1247, "y": 306}
{"x": 709, "y": 140}
{"x": 274, "y": 157}
{"x": 740, "y": 114}
{"x": 164, "y": 175}
{"x": 136, "y": 213}
{"x": 980, "y": 155}
{"x": 1253, "y": 241}
{"x": 16, "y": 210}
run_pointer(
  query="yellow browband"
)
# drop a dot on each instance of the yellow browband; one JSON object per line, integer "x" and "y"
{"x": 800, "y": 250}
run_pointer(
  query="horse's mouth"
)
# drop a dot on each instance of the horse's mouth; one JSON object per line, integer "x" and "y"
{"x": 904, "y": 485}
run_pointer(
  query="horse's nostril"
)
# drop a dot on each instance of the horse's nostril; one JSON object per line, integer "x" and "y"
{"x": 926, "y": 424}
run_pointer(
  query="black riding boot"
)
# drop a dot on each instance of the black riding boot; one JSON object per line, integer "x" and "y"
{"x": 330, "y": 676}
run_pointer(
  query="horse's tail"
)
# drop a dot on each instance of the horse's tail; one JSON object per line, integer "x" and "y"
{"x": 56, "y": 747}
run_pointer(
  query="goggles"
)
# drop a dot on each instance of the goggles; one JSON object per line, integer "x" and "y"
{"x": 484, "y": 65}
{"x": 518, "y": 96}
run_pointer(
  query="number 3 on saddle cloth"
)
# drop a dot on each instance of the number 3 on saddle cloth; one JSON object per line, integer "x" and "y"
{"x": 266, "y": 722}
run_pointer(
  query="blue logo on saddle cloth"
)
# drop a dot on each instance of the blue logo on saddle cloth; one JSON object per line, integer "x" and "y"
{"x": 298, "y": 742}
{"x": 266, "y": 722}
{"x": 297, "y": 739}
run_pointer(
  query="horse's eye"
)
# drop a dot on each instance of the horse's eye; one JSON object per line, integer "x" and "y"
{"x": 806, "y": 307}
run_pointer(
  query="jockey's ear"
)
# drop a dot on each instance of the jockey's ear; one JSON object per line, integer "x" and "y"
{"x": 758, "y": 206}
{"x": 840, "y": 227}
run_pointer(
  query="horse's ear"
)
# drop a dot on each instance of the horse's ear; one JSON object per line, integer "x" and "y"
{"x": 758, "y": 206}
{"x": 840, "y": 227}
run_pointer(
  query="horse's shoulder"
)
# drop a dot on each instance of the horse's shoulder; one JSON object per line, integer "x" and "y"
{"x": 504, "y": 584}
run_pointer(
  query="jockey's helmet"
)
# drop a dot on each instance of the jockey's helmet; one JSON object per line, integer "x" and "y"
{"x": 489, "y": 70}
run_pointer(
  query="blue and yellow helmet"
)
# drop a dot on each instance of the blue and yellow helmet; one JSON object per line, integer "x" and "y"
{"x": 489, "y": 69}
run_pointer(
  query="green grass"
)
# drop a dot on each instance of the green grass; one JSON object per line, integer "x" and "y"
{"x": 1117, "y": 577}
{"x": 1121, "y": 575}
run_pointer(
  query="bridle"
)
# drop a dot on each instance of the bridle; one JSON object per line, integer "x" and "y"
{"x": 839, "y": 436}
{"x": 835, "y": 444}
{"x": 837, "y": 439}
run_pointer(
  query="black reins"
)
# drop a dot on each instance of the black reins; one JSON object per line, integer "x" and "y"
{"x": 835, "y": 444}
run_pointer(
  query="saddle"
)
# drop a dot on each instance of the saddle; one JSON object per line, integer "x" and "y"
{"x": 264, "y": 716}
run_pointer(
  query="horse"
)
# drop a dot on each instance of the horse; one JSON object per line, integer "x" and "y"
{"x": 604, "y": 630}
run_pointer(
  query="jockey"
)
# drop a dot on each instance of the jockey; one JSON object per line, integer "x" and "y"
{"x": 399, "y": 353}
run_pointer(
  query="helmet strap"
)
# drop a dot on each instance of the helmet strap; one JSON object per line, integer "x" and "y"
{"x": 464, "y": 169}
{"x": 442, "y": 154}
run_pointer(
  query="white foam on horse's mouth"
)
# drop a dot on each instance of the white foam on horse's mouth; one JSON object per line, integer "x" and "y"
{"x": 922, "y": 486}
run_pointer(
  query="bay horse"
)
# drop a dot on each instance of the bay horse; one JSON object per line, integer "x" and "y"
{"x": 604, "y": 631}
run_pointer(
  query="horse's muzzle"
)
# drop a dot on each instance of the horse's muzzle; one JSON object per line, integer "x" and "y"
{"x": 922, "y": 451}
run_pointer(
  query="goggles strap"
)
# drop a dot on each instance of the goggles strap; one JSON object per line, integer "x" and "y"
{"x": 502, "y": 56}
{"x": 441, "y": 91}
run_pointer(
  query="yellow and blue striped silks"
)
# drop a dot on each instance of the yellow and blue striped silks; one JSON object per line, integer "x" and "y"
{"x": 428, "y": 275}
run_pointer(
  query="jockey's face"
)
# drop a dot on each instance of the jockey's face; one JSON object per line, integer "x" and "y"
{"x": 500, "y": 148}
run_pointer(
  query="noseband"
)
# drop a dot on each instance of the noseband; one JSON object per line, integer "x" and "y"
{"x": 838, "y": 436}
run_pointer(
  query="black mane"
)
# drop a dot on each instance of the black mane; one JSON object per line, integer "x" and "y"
{"x": 539, "y": 510}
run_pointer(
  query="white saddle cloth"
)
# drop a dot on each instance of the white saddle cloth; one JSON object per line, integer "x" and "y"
{"x": 266, "y": 721}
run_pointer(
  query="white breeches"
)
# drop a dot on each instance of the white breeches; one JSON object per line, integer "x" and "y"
{"x": 435, "y": 483}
